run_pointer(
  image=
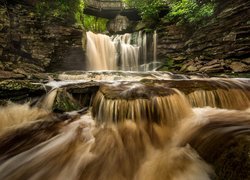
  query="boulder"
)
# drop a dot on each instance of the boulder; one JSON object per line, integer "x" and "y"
{"x": 65, "y": 102}
{"x": 192, "y": 68}
{"x": 239, "y": 67}
{"x": 215, "y": 68}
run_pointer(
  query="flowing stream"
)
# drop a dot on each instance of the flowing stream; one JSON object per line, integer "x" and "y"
{"x": 153, "y": 126}
{"x": 120, "y": 121}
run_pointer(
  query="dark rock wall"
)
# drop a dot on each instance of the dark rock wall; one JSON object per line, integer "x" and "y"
{"x": 30, "y": 44}
{"x": 171, "y": 42}
{"x": 223, "y": 44}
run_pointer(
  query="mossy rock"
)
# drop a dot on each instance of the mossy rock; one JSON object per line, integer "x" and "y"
{"x": 17, "y": 90}
{"x": 19, "y": 84}
{"x": 65, "y": 102}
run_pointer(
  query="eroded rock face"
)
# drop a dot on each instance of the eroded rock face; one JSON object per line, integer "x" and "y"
{"x": 33, "y": 44}
{"x": 171, "y": 42}
{"x": 225, "y": 38}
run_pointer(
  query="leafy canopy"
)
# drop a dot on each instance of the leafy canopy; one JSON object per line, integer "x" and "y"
{"x": 148, "y": 9}
{"x": 189, "y": 11}
{"x": 92, "y": 23}
{"x": 180, "y": 11}
{"x": 71, "y": 11}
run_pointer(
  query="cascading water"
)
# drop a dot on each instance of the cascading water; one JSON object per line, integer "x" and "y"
{"x": 153, "y": 125}
{"x": 127, "y": 55}
{"x": 155, "y": 46}
{"x": 100, "y": 52}
{"x": 129, "y": 52}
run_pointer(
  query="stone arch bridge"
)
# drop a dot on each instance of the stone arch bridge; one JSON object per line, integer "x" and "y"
{"x": 110, "y": 9}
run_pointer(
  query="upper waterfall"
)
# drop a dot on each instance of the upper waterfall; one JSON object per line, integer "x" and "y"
{"x": 128, "y": 52}
{"x": 100, "y": 52}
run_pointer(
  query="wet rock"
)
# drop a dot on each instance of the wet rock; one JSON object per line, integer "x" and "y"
{"x": 64, "y": 102}
{"x": 215, "y": 68}
{"x": 230, "y": 37}
{"x": 136, "y": 100}
{"x": 247, "y": 61}
{"x": 10, "y": 75}
{"x": 192, "y": 68}
{"x": 180, "y": 58}
{"x": 239, "y": 67}
{"x": 20, "y": 90}
{"x": 215, "y": 61}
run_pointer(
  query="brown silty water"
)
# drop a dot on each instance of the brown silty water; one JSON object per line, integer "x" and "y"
{"x": 143, "y": 130}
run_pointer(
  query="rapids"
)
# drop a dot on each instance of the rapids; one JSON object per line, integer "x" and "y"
{"x": 155, "y": 126}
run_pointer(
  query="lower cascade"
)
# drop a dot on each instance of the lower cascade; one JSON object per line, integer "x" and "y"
{"x": 128, "y": 52}
{"x": 100, "y": 125}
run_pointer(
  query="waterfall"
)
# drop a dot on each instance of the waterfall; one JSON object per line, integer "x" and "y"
{"x": 100, "y": 52}
{"x": 155, "y": 45}
{"x": 128, "y": 52}
{"x": 128, "y": 55}
{"x": 144, "y": 48}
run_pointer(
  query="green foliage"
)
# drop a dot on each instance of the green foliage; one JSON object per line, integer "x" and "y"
{"x": 189, "y": 11}
{"x": 180, "y": 11}
{"x": 92, "y": 23}
{"x": 168, "y": 65}
{"x": 148, "y": 9}
{"x": 71, "y": 11}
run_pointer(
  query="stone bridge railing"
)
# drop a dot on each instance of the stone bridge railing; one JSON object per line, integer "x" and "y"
{"x": 106, "y": 4}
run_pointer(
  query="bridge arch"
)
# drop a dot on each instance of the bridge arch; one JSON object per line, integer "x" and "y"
{"x": 109, "y": 9}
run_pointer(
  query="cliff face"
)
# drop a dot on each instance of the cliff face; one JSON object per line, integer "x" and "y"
{"x": 30, "y": 44}
{"x": 223, "y": 44}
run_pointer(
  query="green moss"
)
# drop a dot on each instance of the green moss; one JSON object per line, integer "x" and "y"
{"x": 65, "y": 102}
{"x": 168, "y": 65}
{"x": 18, "y": 85}
{"x": 16, "y": 90}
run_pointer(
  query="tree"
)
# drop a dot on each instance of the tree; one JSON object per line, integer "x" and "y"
{"x": 148, "y": 9}
{"x": 71, "y": 11}
{"x": 180, "y": 11}
{"x": 95, "y": 24}
{"x": 189, "y": 11}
